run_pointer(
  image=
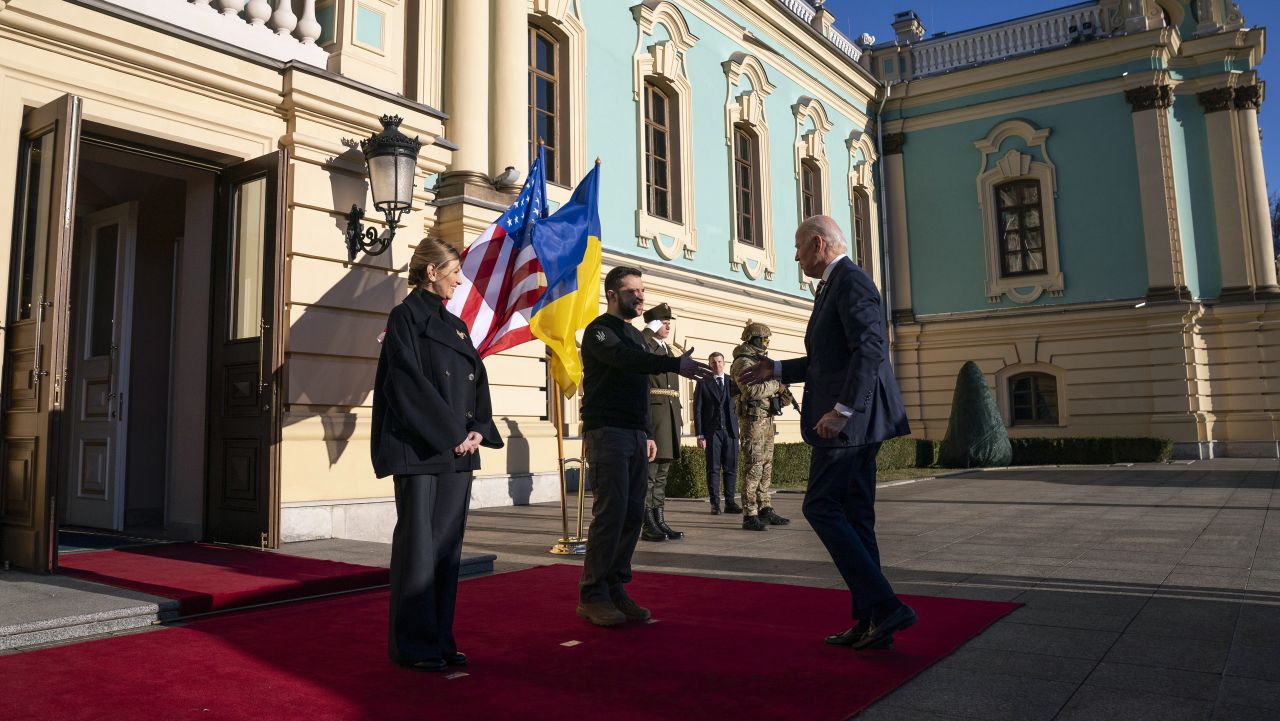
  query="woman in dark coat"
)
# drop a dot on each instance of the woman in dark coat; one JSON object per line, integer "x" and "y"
{"x": 431, "y": 414}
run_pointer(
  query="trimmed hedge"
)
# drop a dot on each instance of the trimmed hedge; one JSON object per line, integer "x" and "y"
{"x": 688, "y": 477}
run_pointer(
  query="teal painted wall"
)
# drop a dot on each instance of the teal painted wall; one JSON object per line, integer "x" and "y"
{"x": 1100, "y": 240}
{"x": 1188, "y": 141}
{"x": 612, "y": 135}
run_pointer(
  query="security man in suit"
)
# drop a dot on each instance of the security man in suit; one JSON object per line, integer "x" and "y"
{"x": 665, "y": 420}
{"x": 851, "y": 405}
{"x": 716, "y": 425}
{"x": 618, "y": 444}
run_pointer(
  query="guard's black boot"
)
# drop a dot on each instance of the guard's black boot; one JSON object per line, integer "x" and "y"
{"x": 753, "y": 523}
{"x": 672, "y": 535}
{"x": 768, "y": 515}
{"x": 650, "y": 531}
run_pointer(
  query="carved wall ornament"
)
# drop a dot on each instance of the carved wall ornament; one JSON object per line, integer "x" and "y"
{"x": 893, "y": 143}
{"x": 1149, "y": 97}
{"x": 1249, "y": 97}
{"x": 1216, "y": 100}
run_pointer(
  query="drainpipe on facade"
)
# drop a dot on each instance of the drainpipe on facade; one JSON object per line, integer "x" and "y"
{"x": 884, "y": 217}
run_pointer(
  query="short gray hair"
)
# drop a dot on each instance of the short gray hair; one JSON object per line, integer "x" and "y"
{"x": 825, "y": 226}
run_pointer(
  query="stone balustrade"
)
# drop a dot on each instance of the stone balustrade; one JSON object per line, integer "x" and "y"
{"x": 806, "y": 13}
{"x": 1023, "y": 36}
{"x": 280, "y": 29}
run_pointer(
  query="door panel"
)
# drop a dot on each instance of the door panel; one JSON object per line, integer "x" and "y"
{"x": 97, "y": 424}
{"x": 242, "y": 499}
{"x": 35, "y": 339}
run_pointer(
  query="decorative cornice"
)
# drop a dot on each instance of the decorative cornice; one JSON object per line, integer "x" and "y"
{"x": 1250, "y": 97}
{"x": 1149, "y": 97}
{"x": 893, "y": 143}
{"x": 1216, "y": 100}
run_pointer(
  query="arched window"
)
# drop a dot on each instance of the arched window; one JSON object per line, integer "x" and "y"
{"x": 1018, "y": 217}
{"x": 1033, "y": 399}
{"x": 861, "y": 229}
{"x": 661, "y": 167}
{"x": 746, "y": 182}
{"x": 545, "y": 100}
{"x": 810, "y": 188}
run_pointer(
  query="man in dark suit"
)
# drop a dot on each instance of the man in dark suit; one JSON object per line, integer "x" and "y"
{"x": 716, "y": 425}
{"x": 851, "y": 404}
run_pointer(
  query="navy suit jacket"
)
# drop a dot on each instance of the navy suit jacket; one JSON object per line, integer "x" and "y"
{"x": 711, "y": 408}
{"x": 847, "y": 361}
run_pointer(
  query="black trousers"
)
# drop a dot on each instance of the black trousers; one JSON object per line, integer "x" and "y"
{"x": 426, "y": 554}
{"x": 840, "y": 506}
{"x": 618, "y": 461}
{"x": 722, "y": 456}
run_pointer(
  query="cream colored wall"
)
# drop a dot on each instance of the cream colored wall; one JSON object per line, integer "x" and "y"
{"x": 1178, "y": 371}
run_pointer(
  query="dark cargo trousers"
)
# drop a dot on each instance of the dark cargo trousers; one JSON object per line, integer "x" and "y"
{"x": 617, "y": 462}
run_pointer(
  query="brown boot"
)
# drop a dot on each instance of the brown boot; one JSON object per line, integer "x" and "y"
{"x": 601, "y": 613}
{"x": 629, "y": 608}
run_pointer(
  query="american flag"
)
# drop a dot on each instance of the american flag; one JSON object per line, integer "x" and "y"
{"x": 502, "y": 278}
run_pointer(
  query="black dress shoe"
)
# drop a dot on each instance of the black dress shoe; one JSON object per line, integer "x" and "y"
{"x": 428, "y": 664}
{"x": 715, "y": 510}
{"x": 731, "y": 507}
{"x": 457, "y": 658}
{"x": 900, "y": 620}
{"x": 854, "y": 634}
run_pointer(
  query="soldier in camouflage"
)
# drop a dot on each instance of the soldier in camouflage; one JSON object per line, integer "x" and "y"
{"x": 757, "y": 404}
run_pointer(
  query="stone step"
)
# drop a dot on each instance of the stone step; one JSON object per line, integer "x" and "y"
{"x": 37, "y": 610}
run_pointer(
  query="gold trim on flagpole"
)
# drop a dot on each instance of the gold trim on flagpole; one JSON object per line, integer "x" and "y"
{"x": 575, "y": 545}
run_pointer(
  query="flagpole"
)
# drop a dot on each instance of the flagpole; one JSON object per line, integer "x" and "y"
{"x": 568, "y": 545}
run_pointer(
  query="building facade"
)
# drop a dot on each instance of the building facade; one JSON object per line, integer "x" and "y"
{"x": 1075, "y": 200}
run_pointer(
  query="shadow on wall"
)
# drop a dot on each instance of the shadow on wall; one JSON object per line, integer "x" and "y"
{"x": 338, "y": 313}
{"x": 520, "y": 483}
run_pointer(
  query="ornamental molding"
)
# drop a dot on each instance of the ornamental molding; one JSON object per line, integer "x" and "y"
{"x": 893, "y": 143}
{"x": 1249, "y": 97}
{"x": 1149, "y": 97}
{"x": 1216, "y": 100}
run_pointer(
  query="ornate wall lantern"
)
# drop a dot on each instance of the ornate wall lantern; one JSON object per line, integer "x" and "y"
{"x": 392, "y": 158}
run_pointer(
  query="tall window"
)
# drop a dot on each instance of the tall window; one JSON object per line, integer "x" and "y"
{"x": 861, "y": 228}
{"x": 810, "y": 188}
{"x": 1018, "y": 214}
{"x": 1034, "y": 398}
{"x": 659, "y": 126}
{"x": 746, "y": 181}
{"x": 544, "y": 99}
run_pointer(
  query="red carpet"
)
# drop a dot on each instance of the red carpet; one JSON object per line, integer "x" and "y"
{"x": 205, "y": 577}
{"x": 720, "y": 650}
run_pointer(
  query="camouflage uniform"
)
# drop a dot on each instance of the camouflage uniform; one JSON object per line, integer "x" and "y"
{"x": 757, "y": 404}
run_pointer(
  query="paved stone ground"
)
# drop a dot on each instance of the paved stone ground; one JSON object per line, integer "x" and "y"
{"x": 1150, "y": 591}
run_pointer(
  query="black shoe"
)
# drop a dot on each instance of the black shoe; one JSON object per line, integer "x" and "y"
{"x": 457, "y": 658}
{"x": 660, "y": 517}
{"x": 715, "y": 508}
{"x": 427, "y": 664}
{"x": 731, "y": 507}
{"x": 649, "y": 531}
{"x": 854, "y": 634}
{"x": 772, "y": 518}
{"x": 753, "y": 523}
{"x": 900, "y": 620}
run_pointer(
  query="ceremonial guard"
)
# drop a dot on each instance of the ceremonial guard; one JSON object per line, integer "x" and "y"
{"x": 665, "y": 422}
{"x": 757, "y": 404}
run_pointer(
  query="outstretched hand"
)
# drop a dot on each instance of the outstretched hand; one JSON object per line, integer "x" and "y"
{"x": 690, "y": 368}
{"x": 758, "y": 373}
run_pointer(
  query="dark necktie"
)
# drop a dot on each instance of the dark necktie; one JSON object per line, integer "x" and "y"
{"x": 821, "y": 284}
{"x": 720, "y": 384}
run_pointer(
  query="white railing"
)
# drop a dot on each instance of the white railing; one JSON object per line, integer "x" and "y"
{"x": 279, "y": 29}
{"x": 805, "y": 12}
{"x": 1019, "y": 37}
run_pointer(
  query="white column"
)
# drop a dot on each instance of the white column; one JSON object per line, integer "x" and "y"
{"x": 466, "y": 84}
{"x": 1228, "y": 197}
{"x": 509, "y": 91}
{"x": 899, "y": 250}
{"x": 1247, "y": 100}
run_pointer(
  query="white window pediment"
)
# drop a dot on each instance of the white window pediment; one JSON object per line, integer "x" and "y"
{"x": 1018, "y": 163}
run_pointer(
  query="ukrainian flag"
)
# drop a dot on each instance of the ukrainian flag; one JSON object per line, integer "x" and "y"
{"x": 568, "y": 247}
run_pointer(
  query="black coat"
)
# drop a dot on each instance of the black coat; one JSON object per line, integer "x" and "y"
{"x": 713, "y": 409}
{"x": 431, "y": 390}
{"x": 847, "y": 361}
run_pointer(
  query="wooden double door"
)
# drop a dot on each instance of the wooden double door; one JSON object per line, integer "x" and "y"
{"x": 63, "y": 392}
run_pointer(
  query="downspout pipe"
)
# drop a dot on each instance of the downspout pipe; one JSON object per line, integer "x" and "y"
{"x": 884, "y": 214}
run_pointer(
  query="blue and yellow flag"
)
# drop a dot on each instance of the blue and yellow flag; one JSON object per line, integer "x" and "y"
{"x": 568, "y": 246}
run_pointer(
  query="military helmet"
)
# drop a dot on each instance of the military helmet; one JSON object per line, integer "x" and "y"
{"x": 755, "y": 330}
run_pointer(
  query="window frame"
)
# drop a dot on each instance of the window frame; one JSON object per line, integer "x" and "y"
{"x": 670, "y": 130}
{"x": 750, "y": 165}
{"x": 1036, "y": 380}
{"x": 552, "y": 147}
{"x": 812, "y": 190}
{"x": 1024, "y": 251}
